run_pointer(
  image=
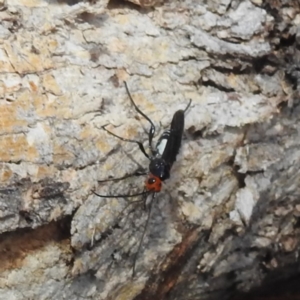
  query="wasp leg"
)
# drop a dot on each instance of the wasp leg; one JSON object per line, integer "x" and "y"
{"x": 127, "y": 140}
{"x": 152, "y": 127}
{"x": 122, "y": 196}
{"x": 137, "y": 173}
{"x": 187, "y": 107}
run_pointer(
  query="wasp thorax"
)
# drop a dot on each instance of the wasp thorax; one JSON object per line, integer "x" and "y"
{"x": 159, "y": 168}
{"x": 153, "y": 183}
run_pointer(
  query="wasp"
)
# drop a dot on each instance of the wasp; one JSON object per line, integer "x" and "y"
{"x": 161, "y": 160}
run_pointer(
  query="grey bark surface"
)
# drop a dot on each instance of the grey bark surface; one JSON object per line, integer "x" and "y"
{"x": 228, "y": 218}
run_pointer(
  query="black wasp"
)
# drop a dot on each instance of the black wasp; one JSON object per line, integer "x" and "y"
{"x": 161, "y": 159}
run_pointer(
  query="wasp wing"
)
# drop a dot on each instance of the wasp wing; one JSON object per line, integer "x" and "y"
{"x": 174, "y": 141}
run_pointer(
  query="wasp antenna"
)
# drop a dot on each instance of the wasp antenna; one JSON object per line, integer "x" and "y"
{"x": 188, "y": 106}
{"x": 125, "y": 208}
{"x": 142, "y": 237}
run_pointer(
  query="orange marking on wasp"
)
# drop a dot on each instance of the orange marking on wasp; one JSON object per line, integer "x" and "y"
{"x": 153, "y": 184}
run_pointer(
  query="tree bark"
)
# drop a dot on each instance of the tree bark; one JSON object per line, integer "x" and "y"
{"x": 225, "y": 223}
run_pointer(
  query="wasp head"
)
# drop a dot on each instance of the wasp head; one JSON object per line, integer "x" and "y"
{"x": 153, "y": 184}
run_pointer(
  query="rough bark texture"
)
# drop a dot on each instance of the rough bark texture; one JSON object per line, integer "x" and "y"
{"x": 227, "y": 221}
